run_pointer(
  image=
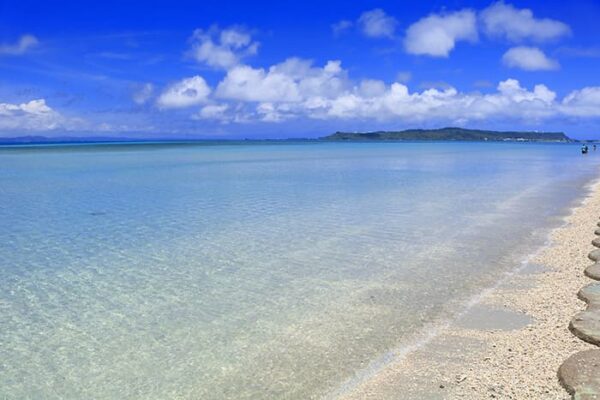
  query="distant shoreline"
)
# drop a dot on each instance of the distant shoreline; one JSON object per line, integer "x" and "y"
{"x": 181, "y": 143}
{"x": 450, "y": 134}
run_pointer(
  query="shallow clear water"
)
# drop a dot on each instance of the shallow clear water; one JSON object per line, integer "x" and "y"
{"x": 252, "y": 271}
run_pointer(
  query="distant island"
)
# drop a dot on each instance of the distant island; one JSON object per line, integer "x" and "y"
{"x": 456, "y": 134}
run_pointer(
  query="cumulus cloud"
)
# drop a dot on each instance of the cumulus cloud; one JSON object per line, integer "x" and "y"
{"x": 506, "y": 21}
{"x": 297, "y": 89}
{"x": 34, "y": 115}
{"x": 34, "y": 107}
{"x": 376, "y": 23}
{"x": 255, "y": 84}
{"x": 364, "y": 100}
{"x": 373, "y": 100}
{"x": 436, "y": 35}
{"x": 143, "y": 93}
{"x": 222, "y": 48}
{"x": 213, "y": 112}
{"x": 293, "y": 80}
{"x": 511, "y": 88}
{"x": 583, "y": 103}
{"x": 185, "y": 93}
{"x": 529, "y": 59}
{"x": 25, "y": 43}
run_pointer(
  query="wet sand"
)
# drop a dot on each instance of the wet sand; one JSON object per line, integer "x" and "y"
{"x": 511, "y": 344}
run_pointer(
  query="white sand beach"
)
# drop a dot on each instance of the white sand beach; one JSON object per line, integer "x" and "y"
{"x": 495, "y": 351}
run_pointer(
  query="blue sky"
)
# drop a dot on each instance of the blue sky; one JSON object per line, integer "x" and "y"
{"x": 297, "y": 69}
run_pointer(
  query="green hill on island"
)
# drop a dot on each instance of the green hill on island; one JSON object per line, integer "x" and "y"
{"x": 458, "y": 134}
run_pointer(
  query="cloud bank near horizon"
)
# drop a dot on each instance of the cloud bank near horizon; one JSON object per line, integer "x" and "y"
{"x": 295, "y": 89}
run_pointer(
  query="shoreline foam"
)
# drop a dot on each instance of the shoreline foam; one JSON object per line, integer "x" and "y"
{"x": 511, "y": 364}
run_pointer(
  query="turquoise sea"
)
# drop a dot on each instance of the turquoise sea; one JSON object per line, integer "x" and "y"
{"x": 253, "y": 271}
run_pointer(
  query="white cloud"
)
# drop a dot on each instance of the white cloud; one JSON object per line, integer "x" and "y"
{"x": 213, "y": 112}
{"x": 529, "y": 59}
{"x": 143, "y": 93}
{"x": 255, "y": 84}
{"x": 185, "y": 93}
{"x": 297, "y": 89}
{"x": 511, "y": 88}
{"x": 583, "y": 103}
{"x": 294, "y": 80}
{"x": 504, "y": 20}
{"x": 24, "y": 43}
{"x": 396, "y": 102}
{"x": 365, "y": 100}
{"x": 34, "y": 115}
{"x": 437, "y": 34}
{"x": 34, "y": 107}
{"x": 374, "y": 100}
{"x": 270, "y": 112}
{"x": 222, "y": 48}
{"x": 376, "y": 23}
{"x": 342, "y": 26}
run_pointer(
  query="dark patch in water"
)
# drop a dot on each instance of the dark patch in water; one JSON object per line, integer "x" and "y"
{"x": 532, "y": 268}
{"x": 490, "y": 318}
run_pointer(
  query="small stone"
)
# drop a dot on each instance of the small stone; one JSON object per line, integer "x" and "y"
{"x": 586, "y": 325}
{"x": 593, "y": 271}
{"x": 590, "y": 293}
{"x": 594, "y": 255}
{"x": 580, "y": 375}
